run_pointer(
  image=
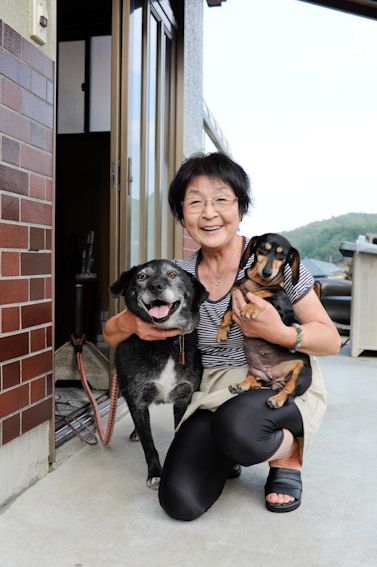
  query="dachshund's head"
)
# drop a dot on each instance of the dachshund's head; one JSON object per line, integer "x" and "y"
{"x": 271, "y": 252}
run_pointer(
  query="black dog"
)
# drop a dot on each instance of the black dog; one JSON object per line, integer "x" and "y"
{"x": 159, "y": 292}
{"x": 270, "y": 364}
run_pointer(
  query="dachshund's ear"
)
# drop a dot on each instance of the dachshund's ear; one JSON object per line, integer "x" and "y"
{"x": 119, "y": 286}
{"x": 294, "y": 261}
{"x": 250, "y": 249}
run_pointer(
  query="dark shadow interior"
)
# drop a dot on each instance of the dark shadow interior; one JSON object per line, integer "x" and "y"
{"x": 82, "y": 200}
{"x": 82, "y": 187}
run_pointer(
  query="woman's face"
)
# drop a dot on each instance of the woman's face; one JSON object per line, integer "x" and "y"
{"x": 210, "y": 228}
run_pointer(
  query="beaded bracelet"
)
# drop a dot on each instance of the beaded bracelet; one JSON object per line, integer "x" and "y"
{"x": 299, "y": 338}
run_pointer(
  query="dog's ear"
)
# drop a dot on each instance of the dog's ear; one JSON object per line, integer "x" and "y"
{"x": 119, "y": 286}
{"x": 201, "y": 294}
{"x": 293, "y": 260}
{"x": 250, "y": 249}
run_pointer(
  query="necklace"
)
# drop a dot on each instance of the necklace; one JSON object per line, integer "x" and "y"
{"x": 217, "y": 276}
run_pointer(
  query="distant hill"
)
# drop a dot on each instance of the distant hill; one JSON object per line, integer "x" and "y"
{"x": 321, "y": 239}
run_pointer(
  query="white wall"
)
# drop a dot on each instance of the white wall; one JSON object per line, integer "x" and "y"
{"x": 17, "y": 14}
{"x": 193, "y": 78}
{"x": 23, "y": 461}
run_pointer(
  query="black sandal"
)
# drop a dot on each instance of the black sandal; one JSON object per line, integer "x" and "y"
{"x": 284, "y": 481}
{"x": 236, "y": 473}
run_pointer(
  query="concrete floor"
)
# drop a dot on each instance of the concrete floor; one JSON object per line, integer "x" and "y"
{"x": 95, "y": 509}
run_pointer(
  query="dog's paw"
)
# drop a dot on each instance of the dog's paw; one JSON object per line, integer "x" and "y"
{"x": 222, "y": 335}
{"x": 154, "y": 482}
{"x": 236, "y": 389}
{"x": 250, "y": 311}
{"x": 134, "y": 436}
{"x": 276, "y": 402}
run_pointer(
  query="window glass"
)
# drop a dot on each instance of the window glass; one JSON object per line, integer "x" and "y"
{"x": 152, "y": 116}
{"x": 134, "y": 132}
{"x": 100, "y": 84}
{"x": 71, "y": 97}
{"x": 165, "y": 164}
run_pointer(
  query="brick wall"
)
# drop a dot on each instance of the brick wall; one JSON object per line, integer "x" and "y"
{"x": 26, "y": 224}
{"x": 189, "y": 245}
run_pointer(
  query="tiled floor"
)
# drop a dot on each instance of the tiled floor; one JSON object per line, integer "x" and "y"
{"x": 71, "y": 396}
{"x": 95, "y": 509}
{"x": 71, "y": 400}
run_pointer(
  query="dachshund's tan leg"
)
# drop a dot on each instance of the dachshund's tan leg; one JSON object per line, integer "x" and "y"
{"x": 248, "y": 384}
{"x": 227, "y": 320}
{"x": 224, "y": 327}
{"x": 279, "y": 400}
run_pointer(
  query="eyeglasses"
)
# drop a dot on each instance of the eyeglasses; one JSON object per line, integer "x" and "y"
{"x": 219, "y": 203}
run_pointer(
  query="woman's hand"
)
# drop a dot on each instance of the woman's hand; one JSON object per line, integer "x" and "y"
{"x": 120, "y": 327}
{"x": 267, "y": 325}
{"x": 151, "y": 332}
{"x": 320, "y": 336}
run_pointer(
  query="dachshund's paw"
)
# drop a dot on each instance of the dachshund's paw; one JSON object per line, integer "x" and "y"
{"x": 237, "y": 389}
{"x": 154, "y": 482}
{"x": 222, "y": 335}
{"x": 276, "y": 402}
{"x": 250, "y": 311}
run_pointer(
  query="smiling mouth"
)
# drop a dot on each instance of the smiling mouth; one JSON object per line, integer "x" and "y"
{"x": 161, "y": 310}
{"x": 209, "y": 228}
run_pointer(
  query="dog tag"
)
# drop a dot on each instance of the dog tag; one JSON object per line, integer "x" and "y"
{"x": 181, "y": 358}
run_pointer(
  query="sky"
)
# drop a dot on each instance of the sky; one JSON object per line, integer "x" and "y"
{"x": 293, "y": 86}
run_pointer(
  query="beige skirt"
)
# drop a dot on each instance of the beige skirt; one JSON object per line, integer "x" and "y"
{"x": 214, "y": 392}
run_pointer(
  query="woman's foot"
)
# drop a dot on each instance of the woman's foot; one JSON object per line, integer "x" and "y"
{"x": 286, "y": 481}
{"x": 235, "y": 472}
{"x": 289, "y": 461}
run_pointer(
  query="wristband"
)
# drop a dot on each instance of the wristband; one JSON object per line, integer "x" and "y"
{"x": 299, "y": 338}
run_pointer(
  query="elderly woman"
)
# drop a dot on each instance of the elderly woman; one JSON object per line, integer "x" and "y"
{"x": 220, "y": 431}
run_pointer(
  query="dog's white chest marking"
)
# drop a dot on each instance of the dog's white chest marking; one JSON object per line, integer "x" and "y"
{"x": 166, "y": 382}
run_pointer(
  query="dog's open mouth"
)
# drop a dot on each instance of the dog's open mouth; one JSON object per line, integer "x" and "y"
{"x": 161, "y": 310}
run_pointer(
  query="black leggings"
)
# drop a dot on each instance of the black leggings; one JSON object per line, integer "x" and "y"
{"x": 243, "y": 430}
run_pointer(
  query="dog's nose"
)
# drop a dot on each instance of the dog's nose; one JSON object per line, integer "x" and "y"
{"x": 156, "y": 287}
{"x": 266, "y": 273}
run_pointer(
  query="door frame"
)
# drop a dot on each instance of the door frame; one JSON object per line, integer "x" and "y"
{"x": 121, "y": 180}
{"x": 115, "y": 147}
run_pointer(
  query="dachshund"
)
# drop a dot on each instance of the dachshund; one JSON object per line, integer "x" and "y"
{"x": 270, "y": 365}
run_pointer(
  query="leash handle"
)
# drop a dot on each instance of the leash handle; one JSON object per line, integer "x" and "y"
{"x": 105, "y": 438}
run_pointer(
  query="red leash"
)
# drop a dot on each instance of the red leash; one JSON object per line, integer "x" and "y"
{"x": 75, "y": 430}
{"x": 104, "y": 437}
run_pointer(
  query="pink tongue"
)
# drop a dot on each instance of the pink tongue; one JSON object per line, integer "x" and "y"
{"x": 159, "y": 312}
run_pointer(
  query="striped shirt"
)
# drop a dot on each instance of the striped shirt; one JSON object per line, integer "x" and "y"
{"x": 230, "y": 352}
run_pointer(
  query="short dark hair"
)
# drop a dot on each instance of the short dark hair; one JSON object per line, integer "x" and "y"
{"x": 215, "y": 165}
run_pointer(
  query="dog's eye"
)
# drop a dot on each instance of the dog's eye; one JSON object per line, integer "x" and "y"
{"x": 172, "y": 275}
{"x": 142, "y": 277}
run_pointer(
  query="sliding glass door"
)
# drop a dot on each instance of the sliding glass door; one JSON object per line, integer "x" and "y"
{"x": 146, "y": 227}
{"x": 143, "y": 134}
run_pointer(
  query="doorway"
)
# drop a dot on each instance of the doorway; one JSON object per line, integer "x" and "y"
{"x": 115, "y": 158}
{"x": 84, "y": 42}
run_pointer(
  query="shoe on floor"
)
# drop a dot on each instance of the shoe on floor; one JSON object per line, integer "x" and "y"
{"x": 284, "y": 481}
{"x": 235, "y": 473}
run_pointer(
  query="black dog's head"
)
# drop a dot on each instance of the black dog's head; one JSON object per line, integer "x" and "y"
{"x": 160, "y": 292}
{"x": 271, "y": 252}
